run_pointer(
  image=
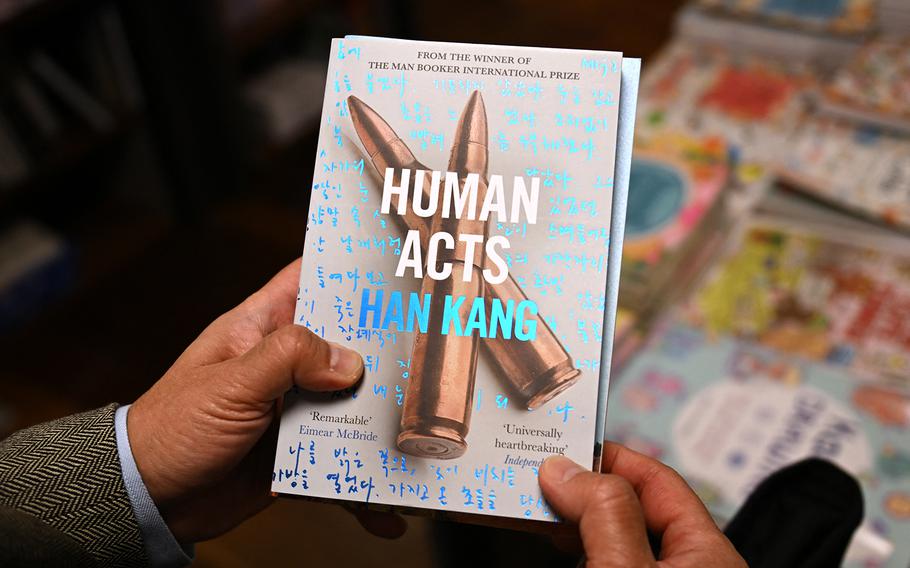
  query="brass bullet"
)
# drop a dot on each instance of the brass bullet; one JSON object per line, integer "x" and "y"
{"x": 387, "y": 150}
{"x": 437, "y": 404}
{"x": 538, "y": 370}
{"x": 469, "y": 150}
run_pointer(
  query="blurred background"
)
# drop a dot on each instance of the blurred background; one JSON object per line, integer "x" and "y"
{"x": 156, "y": 161}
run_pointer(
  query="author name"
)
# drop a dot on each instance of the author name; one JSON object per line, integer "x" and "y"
{"x": 460, "y": 315}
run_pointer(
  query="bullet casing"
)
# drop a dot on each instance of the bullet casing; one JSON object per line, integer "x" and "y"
{"x": 538, "y": 370}
{"x": 437, "y": 407}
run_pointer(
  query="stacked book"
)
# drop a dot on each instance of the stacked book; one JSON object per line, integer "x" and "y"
{"x": 856, "y": 167}
{"x": 54, "y": 100}
{"x": 675, "y": 209}
{"x": 854, "y": 150}
{"x": 873, "y": 87}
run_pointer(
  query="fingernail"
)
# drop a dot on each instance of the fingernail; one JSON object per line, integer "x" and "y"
{"x": 345, "y": 361}
{"x": 562, "y": 468}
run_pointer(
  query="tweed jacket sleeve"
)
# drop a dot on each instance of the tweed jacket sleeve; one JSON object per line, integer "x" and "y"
{"x": 66, "y": 473}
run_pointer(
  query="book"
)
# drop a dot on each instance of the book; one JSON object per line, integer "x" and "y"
{"x": 833, "y": 295}
{"x": 14, "y": 162}
{"x": 860, "y": 168}
{"x": 482, "y": 359}
{"x": 122, "y": 59}
{"x": 285, "y": 99}
{"x": 844, "y": 17}
{"x": 36, "y": 106}
{"x": 748, "y": 104}
{"x": 675, "y": 204}
{"x": 873, "y": 87}
{"x": 705, "y": 89}
{"x": 893, "y": 17}
{"x": 797, "y": 206}
{"x": 762, "y": 38}
{"x": 727, "y": 412}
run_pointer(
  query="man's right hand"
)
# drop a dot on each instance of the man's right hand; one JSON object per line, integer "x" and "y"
{"x": 635, "y": 494}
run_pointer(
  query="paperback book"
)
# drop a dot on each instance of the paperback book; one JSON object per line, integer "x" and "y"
{"x": 675, "y": 204}
{"x": 874, "y": 86}
{"x": 742, "y": 104}
{"x": 836, "y": 296}
{"x": 844, "y": 17}
{"x": 464, "y": 235}
{"x": 860, "y": 168}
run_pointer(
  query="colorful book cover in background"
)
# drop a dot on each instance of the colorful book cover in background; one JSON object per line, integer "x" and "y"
{"x": 875, "y": 82}
{"x": 832, "y": 296}
{"x": 832, "y": 16}
{"x": 748, "y": 103}
{"x": 857, "y": 167}
{"x": 676, "y": 180}
{"x": 726, "y": 413}
{"x": 458, "y": 237}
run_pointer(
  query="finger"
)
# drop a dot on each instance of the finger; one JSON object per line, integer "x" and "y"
{"x": 293, "y": 355}
{"x": 381, "y": 524}
{"x": 606, "y": 509}
{"x": 670, "y": 506}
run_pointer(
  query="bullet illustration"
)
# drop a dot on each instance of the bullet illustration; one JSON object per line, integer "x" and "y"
{"x": 537, "y": 370}
{"x": 387, "y": 150}
{"x": 437, "y": 404}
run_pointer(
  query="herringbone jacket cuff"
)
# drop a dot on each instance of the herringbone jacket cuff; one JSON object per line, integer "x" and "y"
{"x": 67, "y": 474}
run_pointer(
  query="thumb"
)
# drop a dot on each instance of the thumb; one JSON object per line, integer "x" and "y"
{"x": 605, "y": 508}
{"x": 293, "y": 355}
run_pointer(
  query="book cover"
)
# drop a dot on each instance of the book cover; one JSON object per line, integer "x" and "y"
{"x": 464, "y": 236}
{"x": 835, "y": 296}
{"x": 874, "y": 85}
{"x": 676, "y": 180}
{"x": 841, "y": 17}
{"x": 727, "y": 412}
{"x": 749, "y": 103}
{"x": 707, "y": 89}
{"x": 675, "y": 203}
{"x": 860, "y": 168}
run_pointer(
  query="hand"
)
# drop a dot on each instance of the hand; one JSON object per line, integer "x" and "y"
{"x": 635, "y": 494}
{"x": 204, "y": 435}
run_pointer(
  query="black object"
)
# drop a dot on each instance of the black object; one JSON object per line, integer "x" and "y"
{"x": 801, "y": 516}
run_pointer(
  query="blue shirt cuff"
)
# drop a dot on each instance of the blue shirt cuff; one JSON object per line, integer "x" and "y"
{"x": 161, "y": 547}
